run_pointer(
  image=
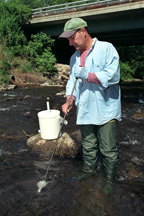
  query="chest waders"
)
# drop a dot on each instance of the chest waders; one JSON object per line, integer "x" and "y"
{"x": 103, "y": 138}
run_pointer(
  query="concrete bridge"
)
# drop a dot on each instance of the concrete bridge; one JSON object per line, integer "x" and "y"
{"x": 120, "y": 22}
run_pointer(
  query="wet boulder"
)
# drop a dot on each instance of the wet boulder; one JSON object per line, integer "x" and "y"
{"x": 66, "y": 146}
{"x": 6, "y": 87}
{"x": 27, "y": 114}
{"x": 138, "y": 116}
{"x": 62, "y": 75}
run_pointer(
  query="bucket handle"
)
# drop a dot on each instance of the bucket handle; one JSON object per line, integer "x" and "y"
{"x": 63, "y": 121}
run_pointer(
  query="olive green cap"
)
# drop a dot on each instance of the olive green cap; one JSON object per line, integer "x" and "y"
{"x": 72, "y": 26}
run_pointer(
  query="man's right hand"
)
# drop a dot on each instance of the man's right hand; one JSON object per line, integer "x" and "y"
{"x": 65, "y": 107}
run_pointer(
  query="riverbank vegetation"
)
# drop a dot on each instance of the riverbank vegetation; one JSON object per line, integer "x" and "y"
{"x": 20, "y": 55}
{"x": 131, "y": 62}
{"x": 17, "y": 54}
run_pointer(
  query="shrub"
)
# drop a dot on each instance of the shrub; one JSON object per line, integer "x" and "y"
{"x": 40, "y": 53}
{"x": 126, "y": 71}
{"x": 45, "y": 62}
{"x": 14, "y": 47}
{"x": 132, "y": 56}
{"x": 26, "y": 67}
{"x": 4, "y": 77}
{"x": 6, "y": 58}
{"x": 12, "y": 18}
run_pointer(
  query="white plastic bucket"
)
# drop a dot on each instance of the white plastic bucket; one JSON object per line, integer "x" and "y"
{"x": 49, "y": 123}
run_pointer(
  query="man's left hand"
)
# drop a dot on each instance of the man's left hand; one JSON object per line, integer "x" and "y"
{"x": 81, "y": 73}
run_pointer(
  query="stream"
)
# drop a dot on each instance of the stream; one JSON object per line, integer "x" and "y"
{"x": 21, "y": 168}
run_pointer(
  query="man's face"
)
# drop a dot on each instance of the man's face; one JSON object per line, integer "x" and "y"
{"x": 77, "y": 40}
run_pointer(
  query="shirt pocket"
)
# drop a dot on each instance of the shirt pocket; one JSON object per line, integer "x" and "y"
{"x": 95, "y": 68}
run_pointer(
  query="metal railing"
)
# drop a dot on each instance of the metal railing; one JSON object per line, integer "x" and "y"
{"x": 83, "y": 4}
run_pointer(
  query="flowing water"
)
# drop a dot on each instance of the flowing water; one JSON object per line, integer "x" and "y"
{"x": 21, "y": 168}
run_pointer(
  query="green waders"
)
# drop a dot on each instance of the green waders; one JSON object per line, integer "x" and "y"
{"x": 104, "y": 138}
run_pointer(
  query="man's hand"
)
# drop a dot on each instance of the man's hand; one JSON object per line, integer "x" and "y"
{"x": 65, "y": 107}
{"x": 81, "y": 73}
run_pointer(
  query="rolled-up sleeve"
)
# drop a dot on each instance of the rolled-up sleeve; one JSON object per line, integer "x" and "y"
{"x": 110, "y": 73}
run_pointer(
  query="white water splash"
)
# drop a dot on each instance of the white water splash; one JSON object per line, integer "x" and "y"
{"x": 4, "y": 109}
{"x": 130, "y": 142}
{"x": 41, "y": 185}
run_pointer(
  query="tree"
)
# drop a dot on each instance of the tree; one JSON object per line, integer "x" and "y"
{"x": 40, "y": 54}
{"x": 30, "y": 3}
{"x": 39, "y": 3}
{"x": 12, "y": 18}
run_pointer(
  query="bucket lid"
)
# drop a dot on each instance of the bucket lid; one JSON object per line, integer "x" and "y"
{"x": 48, "y": 113}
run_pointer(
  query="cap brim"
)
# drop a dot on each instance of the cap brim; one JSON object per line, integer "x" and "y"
{"x": 67, "y": 34}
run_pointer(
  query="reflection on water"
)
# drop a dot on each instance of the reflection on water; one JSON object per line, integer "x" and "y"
{"x": 21, "y": 169}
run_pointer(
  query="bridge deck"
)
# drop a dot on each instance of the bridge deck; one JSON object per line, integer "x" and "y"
{"x": 120, "y": 22}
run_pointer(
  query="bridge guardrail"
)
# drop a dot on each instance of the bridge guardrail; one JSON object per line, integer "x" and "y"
{"x": 54, "y": 9}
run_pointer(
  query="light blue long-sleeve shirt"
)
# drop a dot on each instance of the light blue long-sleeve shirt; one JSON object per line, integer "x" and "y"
{"x": 97, "y": 103}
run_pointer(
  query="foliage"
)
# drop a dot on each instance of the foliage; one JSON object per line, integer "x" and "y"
{"x": 26, "y": 67}
{"x": 46, "y": 62}
{"x": 40, "y": 3}
{"x": 40, "y": 54}
{"x": 12, "y": 18}
{"x": 132, "y": 56}
{"x": 30, "y": 3}
{"x": 5, "y": 58}
{"x": 127, "y": 72}
{"x": 10, "y": 63}
{"x": 4, "y": 78}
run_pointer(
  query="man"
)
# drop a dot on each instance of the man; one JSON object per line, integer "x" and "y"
{"x": 97, "y": 97}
